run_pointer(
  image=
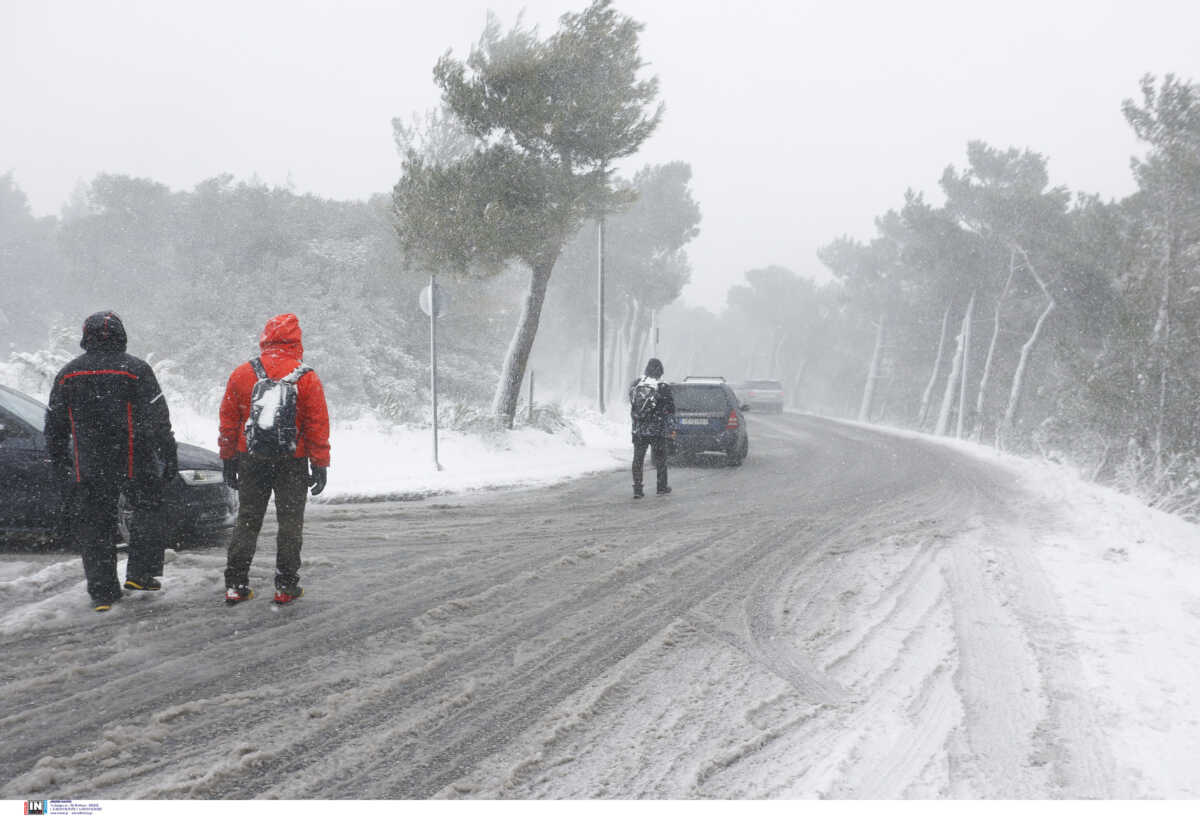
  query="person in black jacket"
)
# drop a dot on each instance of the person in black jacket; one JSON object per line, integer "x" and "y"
{"x": 652, "y": 409}
{"x": 108, "y": 430}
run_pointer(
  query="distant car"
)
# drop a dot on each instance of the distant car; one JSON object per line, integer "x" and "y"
{"x": 200, "y": 507}
{"x": 709, "y": 419}
{"x": 762, "y": 395}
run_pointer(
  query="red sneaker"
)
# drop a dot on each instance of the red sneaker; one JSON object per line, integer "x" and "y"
{"x": 235, "y": 595}
{"x": 285, "y": 596}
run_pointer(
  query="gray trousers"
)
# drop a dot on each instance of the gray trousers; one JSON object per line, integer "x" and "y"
{"x": 258, "y": 478}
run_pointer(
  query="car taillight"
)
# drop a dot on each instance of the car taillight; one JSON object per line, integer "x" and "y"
{"x": 732, "y": 424}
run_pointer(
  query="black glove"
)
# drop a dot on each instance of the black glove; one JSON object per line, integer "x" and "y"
{"x": 229, "y": 470}
{"x": 317, "y": 479}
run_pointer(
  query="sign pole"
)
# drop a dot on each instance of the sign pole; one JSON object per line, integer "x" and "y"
{"x": 433, "y": 383}
{"x": 600, "y": 312}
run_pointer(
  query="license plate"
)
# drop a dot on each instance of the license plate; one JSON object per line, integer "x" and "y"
{"x": 693, "y": 421}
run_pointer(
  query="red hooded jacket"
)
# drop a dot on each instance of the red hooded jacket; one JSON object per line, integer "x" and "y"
{"x": 281, "y": 353}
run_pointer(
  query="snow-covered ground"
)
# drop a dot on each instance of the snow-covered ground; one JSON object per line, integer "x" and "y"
{"x": 1128, "y": 579}
{"x": 1124, "y": 577}
{"x": 372, "y": 459}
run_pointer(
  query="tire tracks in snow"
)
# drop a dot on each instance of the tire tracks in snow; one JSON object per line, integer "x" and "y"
{"x": 844, "y": 615}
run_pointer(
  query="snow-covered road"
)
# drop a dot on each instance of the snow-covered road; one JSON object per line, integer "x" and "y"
{"x": 852, "y": 613}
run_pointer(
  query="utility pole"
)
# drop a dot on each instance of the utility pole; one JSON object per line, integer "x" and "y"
{"x": 600, "y": 312}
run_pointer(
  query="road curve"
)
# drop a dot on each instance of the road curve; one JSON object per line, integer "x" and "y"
{"x": 849, "y": 614}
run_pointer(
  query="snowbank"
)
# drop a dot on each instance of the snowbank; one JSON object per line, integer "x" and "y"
{"x": 373, "y": 460}
{"x": 1127, "y": 578}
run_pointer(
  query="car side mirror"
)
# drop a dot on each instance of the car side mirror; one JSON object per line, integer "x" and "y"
{"x": 745, "y": 407}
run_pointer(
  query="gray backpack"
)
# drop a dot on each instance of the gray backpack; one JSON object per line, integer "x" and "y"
{"x": 271, "y": 428}
{"x": 643, "y": 401}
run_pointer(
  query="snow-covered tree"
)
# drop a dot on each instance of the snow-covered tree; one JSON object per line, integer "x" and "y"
{"x": 551, "y": 117}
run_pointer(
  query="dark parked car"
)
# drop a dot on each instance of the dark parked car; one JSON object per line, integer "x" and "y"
{"x": 200, "y": 506}
{"x": 762, "y": 395}
{"x": 709, "y": 419}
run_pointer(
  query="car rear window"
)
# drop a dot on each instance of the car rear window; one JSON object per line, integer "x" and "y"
{"x": 699, "y": 398}
{"x": 765, "y": 384}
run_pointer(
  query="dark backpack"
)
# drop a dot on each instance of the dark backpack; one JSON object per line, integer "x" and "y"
{"x": 271, "y": 428}
{"x": 643, "y": 399}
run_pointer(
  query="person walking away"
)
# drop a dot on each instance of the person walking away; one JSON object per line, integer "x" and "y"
{"x": 108, "y": 430}
{"x": 274, "y": 423}
{"x": 652, "y": 409}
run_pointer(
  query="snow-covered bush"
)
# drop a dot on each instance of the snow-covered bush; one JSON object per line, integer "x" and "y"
{"x": 1172, "y": 485}
{"x": 32, "y": 372}
{"x": 549, "y": 417}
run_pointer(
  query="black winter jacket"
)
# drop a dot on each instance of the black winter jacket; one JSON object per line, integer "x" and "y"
{"x": 660, "y": 423}
{"x": 108, "y": 419}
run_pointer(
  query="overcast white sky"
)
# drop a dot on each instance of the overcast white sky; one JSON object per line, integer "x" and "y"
{"x": 802, "y": 120}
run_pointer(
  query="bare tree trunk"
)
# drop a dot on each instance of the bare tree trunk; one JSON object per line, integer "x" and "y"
{"x": 508, "y": 389}
{"x": 991, "y": 355}
{"x": 1161, "y": 341}
{"x": 752, "y": 363}
{"x": 1014, "y": 396}
{"x": 629, "y": 361}
{"x": 952, "y": 384}
{"x": 634, "y": 353}
{"x": 612, "y": 344}
{"x": 793, "y": 395}
{"x": 965, "y": 375}
{"x": 1164, "y": 373}
{"x": 586, "y": 363}
{"x": 776, "y": 353}
{"x": 645, "y": 342}
{"x": 923, "y": 414}
{"x": 612, "y": 377}
{"x": 864, "y": 410}
{"x": 621, "y": 343}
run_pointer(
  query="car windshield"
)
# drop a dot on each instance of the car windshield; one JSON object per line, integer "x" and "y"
{"x": 26, "y": 409}
{"x": 765, "y": 384}
{"x": 699, "y": 398}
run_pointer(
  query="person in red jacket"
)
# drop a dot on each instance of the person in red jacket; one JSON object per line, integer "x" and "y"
{"x": 274, "y": 425}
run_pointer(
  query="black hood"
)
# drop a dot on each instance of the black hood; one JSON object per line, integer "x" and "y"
{"x": 103, "y": 331}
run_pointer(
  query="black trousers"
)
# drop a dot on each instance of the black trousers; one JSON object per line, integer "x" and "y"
{"x": 147, "y": 528}
{"x": 258, "y": 478}
{"x": 91, "y": 509}
{"x": 658, "y": 454}
{"x": 92, "y": 525}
